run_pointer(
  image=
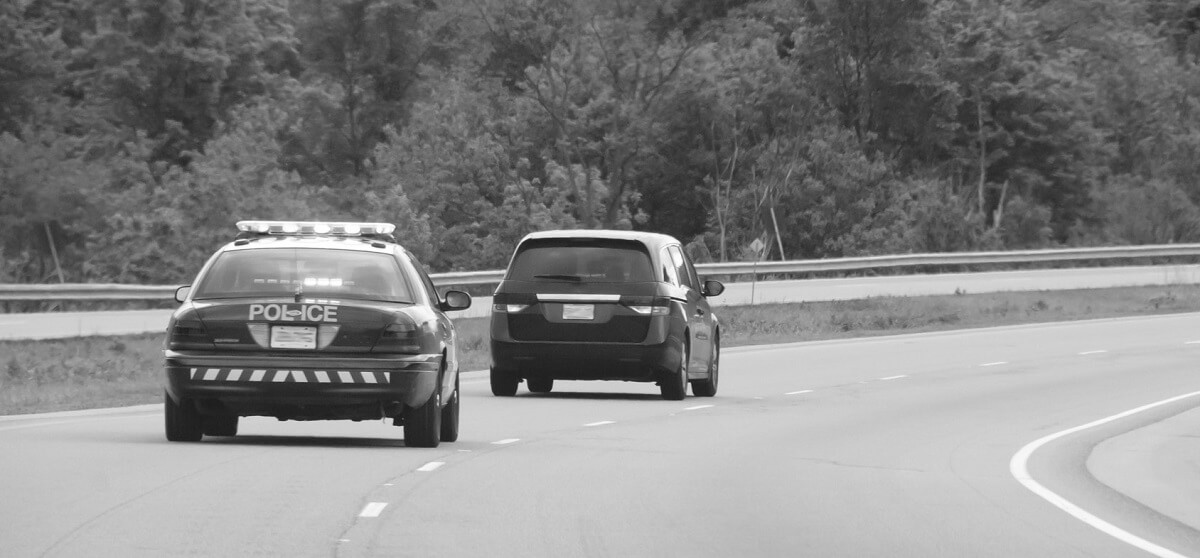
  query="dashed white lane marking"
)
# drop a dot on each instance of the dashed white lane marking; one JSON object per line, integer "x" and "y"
{"x": 697, "y": 407}
{"x": 373, "y": 509}
{"x": 798, "y": 392}
{"x": 1085, "y": 353}
{"x": 998, "y": 363}
{"x": 431, "y": 466}
{"x": 505, "y": 441}
{"x": 601, "y": 423}
{"x": 889, "y": 378}
{"x": 1192, "y": 343}
{"x": 1019, "y": 467}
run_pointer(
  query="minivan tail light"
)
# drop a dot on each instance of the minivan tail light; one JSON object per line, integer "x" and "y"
{"x": 509, "y": 304}
{"x": 648, "y": 306}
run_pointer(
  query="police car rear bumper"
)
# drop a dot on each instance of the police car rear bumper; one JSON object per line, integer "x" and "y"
{"x": 261, "y": 383}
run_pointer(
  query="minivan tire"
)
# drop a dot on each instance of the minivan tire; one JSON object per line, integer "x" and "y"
{"x": 674, "y": 385}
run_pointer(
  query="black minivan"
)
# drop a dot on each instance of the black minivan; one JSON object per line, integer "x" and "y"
{"x": 604, "y": 305}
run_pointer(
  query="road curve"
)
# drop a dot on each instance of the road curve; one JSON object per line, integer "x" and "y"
{"x": 892, "y": 446}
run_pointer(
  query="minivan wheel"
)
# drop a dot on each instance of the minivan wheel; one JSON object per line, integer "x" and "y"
{"x": 674, "y": 386}
{"x": 708, "y": 386}
{"x": 540, "y": 385}
{"x": 504, "y": 384}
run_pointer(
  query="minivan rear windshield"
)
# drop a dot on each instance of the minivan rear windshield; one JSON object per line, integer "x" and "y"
{"x": 284, "y": 271}
{"x": 582, "y": 260}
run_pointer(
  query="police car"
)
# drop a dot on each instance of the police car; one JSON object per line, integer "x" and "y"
{"x": 313, "y": 321}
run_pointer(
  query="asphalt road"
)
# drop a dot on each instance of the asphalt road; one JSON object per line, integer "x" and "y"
{"x": 977, "y": 443}
{"x": 74, "y": 324}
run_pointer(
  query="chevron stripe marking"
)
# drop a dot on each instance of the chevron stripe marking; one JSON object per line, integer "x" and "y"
{"x": 322, "y": 376}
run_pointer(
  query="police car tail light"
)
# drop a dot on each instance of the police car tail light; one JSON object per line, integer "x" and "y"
{"x": 325, "y": 334}
{"x": 401, "y": 336}
{"x": 334, "y": 228}
{"x": 648, "y": 305}
{"x": 189, "y": 334}
{"x": 261, "y": 334}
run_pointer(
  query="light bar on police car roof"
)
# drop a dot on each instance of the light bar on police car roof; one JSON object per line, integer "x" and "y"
{"x": 315, "y": 227}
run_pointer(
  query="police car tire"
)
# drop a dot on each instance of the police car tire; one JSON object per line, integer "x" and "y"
{"x": 423, "y": 425}
{"x": 708, "y": 386}
{"x": 540, "y": 385}
{"x": 182, "y": 420}
{"x": 674, "y": 386}
{"x": 504, "y": 384}
{"x": 220, "y": 425}
{"x": 450, "y": 416}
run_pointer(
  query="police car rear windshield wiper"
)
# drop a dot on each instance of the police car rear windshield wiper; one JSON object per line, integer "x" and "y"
{"x": 559, "y": 277}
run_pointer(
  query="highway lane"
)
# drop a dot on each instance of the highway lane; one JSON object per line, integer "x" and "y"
{"x": 896, "y": 446}
{"x": 74, "y": 324}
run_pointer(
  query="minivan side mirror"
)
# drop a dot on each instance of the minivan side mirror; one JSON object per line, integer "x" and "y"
{"x": 712, "y": 287}
{"x": 456, "y": 300}
{"x": 182, "y": 293}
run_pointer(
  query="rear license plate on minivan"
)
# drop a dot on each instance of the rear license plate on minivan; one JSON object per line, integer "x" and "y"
{"x": 579, "y": 311}
{"x": 293, "y": 337}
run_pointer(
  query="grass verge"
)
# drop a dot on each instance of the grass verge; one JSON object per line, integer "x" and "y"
{"x": 108, "y": 371}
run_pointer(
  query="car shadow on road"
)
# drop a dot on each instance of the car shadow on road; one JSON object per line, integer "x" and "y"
{"x": 304, "y": 441}
{"x": 592, "y": 395}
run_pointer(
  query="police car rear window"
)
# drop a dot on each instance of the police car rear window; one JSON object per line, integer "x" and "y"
{"x": 582, "y": 260}
{"x": 317, "y": 273}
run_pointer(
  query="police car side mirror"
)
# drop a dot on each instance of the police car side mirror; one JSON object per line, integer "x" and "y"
{"x": 712, "y": 287}
{"x": 182, "y": 293}
{"x": 456, "y": 300}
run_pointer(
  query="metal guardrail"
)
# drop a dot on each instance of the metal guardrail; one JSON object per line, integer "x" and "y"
{"x": 94, "y": 292}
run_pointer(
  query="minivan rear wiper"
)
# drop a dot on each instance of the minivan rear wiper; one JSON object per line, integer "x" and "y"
{"x": 559, "y": 277}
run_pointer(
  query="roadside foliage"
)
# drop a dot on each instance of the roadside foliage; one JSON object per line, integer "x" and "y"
{"x": 133, "y": 133}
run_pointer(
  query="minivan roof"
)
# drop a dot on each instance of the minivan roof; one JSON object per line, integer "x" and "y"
{"x": 650, "y": 239}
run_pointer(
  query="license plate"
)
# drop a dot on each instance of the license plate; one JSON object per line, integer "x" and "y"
{"x": 579, "y": 312}
{"x": 293, "y": 337}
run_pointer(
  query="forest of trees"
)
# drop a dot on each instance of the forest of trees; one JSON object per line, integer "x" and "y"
{"x": 133, "y": 133}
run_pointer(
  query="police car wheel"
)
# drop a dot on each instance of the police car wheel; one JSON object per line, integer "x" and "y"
{"x": 540, "y": 385}
{"x": 423, "y": 425}
{"x": 450, "y": 416}
{"x": 182, "y": 420}
{"x": 220, "y": 425}
{"x": 504, "y": 384}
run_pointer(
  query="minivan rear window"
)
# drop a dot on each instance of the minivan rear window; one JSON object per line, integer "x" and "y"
{"x": 582, "y": 260}
{"x": 312, "y": 272}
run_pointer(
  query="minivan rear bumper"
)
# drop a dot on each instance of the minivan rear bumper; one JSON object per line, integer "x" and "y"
{"x": 587, "y": 361}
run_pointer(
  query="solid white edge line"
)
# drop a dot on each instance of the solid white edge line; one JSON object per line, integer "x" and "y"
{"x": 1019, "y": 467}
{"x": 373, "y": 509}
{"x": 889, "y": 378}
{"x": 431, "y": 466}
{"x": 505, "y": 441}
{"x": 600, "y": 423}
{"x": 799, "y": 392}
